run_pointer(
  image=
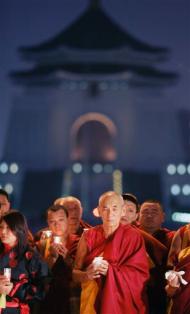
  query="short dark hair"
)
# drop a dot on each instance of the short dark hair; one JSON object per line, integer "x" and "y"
{"x": 18, "y": 225}
{"x": 154, "y": 201}
{"x": 131, "y": 198}
{"x": 55, "y": 208}
{"x": 3, "y": 192}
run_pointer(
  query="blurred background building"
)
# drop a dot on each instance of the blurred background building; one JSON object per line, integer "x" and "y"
{"x": 95, "y": 96}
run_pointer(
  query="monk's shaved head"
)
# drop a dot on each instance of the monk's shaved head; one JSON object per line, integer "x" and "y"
{"x": 111, "y": 194}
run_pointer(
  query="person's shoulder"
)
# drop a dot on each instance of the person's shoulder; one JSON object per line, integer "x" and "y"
{"x": 131, "y": 230}
{"x": 84, "y": 224}
{"x": 94, "y": 228}
{"x": 92, "y": 231}
{"x": 169, "y": 233}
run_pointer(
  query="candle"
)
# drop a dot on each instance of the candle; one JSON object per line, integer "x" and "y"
{"x": 46, "y": 234}
{"x": 97, "y": 261}
{"x": 57, "y": 239}
{"x": 7, "y": 273}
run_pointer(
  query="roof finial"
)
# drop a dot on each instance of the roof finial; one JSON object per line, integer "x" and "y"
{"x": 95, "y": 3}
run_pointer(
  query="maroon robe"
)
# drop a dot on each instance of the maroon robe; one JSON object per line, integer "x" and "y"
{"x": 165, "y": 236}
{"x": 122, "y": 290}
{"x": 181, "y": 300}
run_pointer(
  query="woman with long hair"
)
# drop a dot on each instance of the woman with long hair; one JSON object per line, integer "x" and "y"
{"x": 24, "y": 286}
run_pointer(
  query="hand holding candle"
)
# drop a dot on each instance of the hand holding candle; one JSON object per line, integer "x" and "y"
{"x": 100, "y": 265}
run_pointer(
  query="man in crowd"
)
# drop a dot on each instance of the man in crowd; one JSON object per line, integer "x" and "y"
{"x": 151, "y": 218}
{"x": 75, "y": 210}
{"x": 58, "y": 248}
{"x": 131, "y": 209}
{"x": 156, "y": 253}
{"x": 110, "y": 286}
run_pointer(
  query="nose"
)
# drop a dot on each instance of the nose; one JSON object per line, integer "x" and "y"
{"x": 56, "y": 224}
{"x": 3, "y": 231}
{"x": 109, "y": 212}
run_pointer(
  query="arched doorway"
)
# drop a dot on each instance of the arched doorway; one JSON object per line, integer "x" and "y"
{"x": 93, "y": 139}
{"x": 93, "y": 150}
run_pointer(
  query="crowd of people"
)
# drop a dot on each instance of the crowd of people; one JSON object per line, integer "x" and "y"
{"x": 128, "y": 264}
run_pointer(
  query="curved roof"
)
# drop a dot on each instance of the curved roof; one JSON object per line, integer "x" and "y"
{"x": 94, "y": 30}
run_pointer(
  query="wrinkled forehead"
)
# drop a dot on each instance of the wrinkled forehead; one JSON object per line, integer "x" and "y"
{"x": 113, "y": 200}
{"x": 151, "y": 207}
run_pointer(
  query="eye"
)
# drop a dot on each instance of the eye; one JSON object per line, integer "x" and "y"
{"x": 104, "y": 208}
{"x": 115, "y": 208}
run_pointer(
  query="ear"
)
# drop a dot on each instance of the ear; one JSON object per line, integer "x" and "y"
{"x": 99, "y": 211}
{"x": 96, "y": 212}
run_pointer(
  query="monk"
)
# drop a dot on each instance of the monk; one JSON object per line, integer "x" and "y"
{"x": 181, "y": 240}
{"x": 178, "y": 289}
{"x": 151, "y": 218}
{"x": 111, "y": 263}
{"x": 75, "y": 210}
{"x": 157, "y": 255}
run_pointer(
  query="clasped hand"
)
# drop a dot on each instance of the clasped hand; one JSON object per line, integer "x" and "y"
{"x": 94, "y": 271}
{"x": 58, "y": 249}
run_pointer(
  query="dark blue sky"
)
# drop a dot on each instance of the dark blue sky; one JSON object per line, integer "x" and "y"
{"x": 159, "y": 22}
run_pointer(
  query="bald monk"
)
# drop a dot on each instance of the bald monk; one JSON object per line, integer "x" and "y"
{"x": 110, "y": 286}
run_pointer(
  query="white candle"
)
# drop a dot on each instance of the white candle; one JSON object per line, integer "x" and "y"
{"x": 97, "y": 261}
{"x": 7, "y": 273}
{"x": 57, "y": 239}
{"x": 47, "y": 233}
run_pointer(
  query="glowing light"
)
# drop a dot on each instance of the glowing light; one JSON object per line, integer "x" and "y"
{"x": 188, "y": 169}
{"x": 77, "y": 168}
{"x": 117, "y": 181}
{"x": 186, "y": 189}
{"x": 97, "y": 168}
{"x": 9, "y": 188}
{"x": 14, "y": 168}
{"x": 175, "y": 189}
{"x": 171, "y": 169}
{"x": 181, "y": 217}
{"x": 3, "y": 167}
{"x": 181, "y": 169}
